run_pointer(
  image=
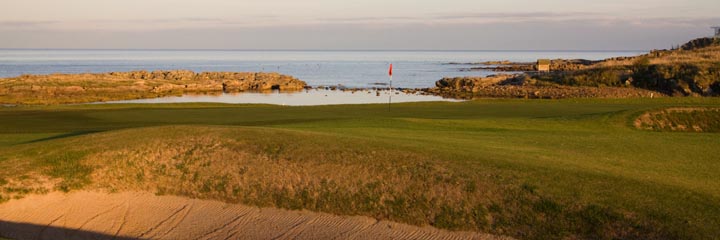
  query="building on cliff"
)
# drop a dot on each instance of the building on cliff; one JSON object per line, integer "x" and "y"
{"x": 543, "y": 65}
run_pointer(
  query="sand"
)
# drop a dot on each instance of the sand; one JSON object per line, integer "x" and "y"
{"x": 133, "y": 215}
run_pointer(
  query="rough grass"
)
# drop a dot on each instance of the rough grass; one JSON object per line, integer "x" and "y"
{"x": 66, "y": 165}
{"x": 681, "y": 120}
{"x": 528, "y": 169}
{"x": 674, "y": 72}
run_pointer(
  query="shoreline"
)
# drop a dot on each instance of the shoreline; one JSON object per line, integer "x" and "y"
{"x": 687, "y": 71}
{"x": 308, "y": 97}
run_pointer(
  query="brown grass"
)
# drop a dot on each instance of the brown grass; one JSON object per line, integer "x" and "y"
{"x": 298, "y": 170}
{"x": 680, "y": 120}
{"x": 19, "y": 187}
{"x": 382, "y": 183}
{"x": 668, "y": 57}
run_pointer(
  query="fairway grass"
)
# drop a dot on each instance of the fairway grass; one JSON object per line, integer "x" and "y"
{"x": 532, "y": 169}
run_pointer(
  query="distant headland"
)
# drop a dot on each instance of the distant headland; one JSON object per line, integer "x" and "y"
{"x": 692, "y": 69}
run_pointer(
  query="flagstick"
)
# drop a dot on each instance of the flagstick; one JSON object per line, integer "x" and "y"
{"x": 391, "y": 92}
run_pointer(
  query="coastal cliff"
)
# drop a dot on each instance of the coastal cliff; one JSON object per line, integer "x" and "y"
{"x": 96, "y": 87}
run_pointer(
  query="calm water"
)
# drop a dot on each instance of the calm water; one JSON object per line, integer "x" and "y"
{"x": 412, "y": 69}
{"x": 310, "y": 97}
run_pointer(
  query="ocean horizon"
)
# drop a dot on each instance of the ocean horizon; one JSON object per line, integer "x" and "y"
{"x": 350, "y": 68}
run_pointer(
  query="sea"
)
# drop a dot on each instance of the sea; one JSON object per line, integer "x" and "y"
{"x": 353, "y": 69}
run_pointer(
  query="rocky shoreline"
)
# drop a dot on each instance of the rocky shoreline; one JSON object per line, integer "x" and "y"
{"x": 523, "y": 86}
{"x": 114, "y": 86}
{"x": 508, "y": 66}
{"x": 98, "y": 87}
{"x": 692, "y": 70}
{"x": 507, "y": 86}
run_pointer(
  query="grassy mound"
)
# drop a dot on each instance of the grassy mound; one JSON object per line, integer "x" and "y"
{"x": 296, "y": 170}
{"x": 528, "y": 169}
{"x": 681, "y": 120}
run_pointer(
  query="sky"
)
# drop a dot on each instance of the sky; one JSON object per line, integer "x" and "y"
{"x": 356, "y": 24}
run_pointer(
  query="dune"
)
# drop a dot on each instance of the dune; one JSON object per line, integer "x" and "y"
{"x": 140, "y": 215}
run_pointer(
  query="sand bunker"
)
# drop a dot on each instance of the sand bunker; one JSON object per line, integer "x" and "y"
{"x": 94, "y": 215}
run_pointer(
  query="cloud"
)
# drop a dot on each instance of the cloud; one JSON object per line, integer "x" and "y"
{"x": 518, "y": 15}
{"x": 462, "y": 17}
{"x": 478, "y": 18}
{"x": 146, "y": 24}
{"x": 438, "y": 19}
{"x": 513, "y": 36}
{"x": 25, "y": 24}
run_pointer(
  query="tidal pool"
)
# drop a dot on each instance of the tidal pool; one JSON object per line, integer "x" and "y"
{"x": 307, "y": 97}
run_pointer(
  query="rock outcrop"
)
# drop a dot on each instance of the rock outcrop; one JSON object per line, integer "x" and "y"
{"x": 92, "y": 87}
{"x": 523, "y": 86}
{"x": 471, "y": 84}
{"x": 692, "y": 69}
{"x": 700, "y": 43}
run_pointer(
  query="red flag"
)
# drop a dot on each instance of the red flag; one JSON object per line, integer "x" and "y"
{"x": 390, "y": 70}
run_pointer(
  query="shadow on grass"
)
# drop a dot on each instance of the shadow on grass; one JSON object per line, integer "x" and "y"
{"x": 65, "y": 135}
{"x": 284, "y": 121}
{"x": 14, "y": 230}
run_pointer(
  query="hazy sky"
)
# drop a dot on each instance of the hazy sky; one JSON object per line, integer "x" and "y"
{"x": 355, "y": 24}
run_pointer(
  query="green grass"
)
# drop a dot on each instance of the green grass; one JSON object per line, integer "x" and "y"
{"x": 525, "y": 168}
{"x": 66, "y": 165}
